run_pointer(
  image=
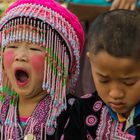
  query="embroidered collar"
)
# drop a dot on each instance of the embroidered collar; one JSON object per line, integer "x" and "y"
{"x": 129, "y": 123}
{"x": 115, "y": 117}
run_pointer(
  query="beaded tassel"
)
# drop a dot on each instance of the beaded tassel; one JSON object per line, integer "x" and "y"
{"x": 56, "y": 21}
{"x": 56, "y": 63}
{"x": 17, "y": 31}
{"x": 1, "y": 66}
{"x": 48, "y": 28}
{"x": 10, "y": 120}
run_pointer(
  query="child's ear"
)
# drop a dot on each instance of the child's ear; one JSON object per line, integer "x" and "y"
{"x": 88, "y": 54}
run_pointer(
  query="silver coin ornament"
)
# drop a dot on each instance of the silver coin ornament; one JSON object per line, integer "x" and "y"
{"x": 29, "y": 137}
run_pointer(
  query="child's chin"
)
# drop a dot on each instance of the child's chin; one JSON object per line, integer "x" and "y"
{"x": 21, "y": 92}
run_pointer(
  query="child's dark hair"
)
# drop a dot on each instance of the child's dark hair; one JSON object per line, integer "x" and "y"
{"x": 116, "y": 32}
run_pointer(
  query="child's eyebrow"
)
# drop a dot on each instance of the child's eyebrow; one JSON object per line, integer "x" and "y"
{"x": 129, "y": 78}
{"x": 102, "y": 75}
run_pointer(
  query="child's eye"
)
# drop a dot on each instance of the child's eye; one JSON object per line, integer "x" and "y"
{"x": 35, "y": 49}
{"x": 13, "y": 47}
{"x": 129, "y": 83}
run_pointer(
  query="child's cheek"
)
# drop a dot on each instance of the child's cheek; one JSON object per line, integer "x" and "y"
{"x": 38, "y": 62}
{"x": 8, "y": 58}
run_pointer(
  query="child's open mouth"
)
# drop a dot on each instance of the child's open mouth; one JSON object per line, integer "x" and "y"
{"x": 21, "y": 77}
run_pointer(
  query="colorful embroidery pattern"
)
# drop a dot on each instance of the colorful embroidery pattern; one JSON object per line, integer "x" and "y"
{"x": 111, "y": 129}
{"x": 97, "y": 106}
{"x": 91, "y": 120}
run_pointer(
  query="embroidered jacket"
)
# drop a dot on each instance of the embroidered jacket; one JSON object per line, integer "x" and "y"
{"x": 90, "y": 119}
{"x": 36, "y": 123}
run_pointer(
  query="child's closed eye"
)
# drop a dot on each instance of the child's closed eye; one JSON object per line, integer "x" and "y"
{"x": 12, "y": 47}
{"x": 129, "y": 82}
{"x": 36, "y": 49}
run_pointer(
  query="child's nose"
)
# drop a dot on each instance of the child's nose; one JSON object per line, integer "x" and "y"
{"x": 116, "y": 93}
{"x": 21, "y": 56}
{"x": 21, "y": 59}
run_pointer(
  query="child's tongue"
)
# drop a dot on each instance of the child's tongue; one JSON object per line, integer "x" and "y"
{"x": 21, "y": 76}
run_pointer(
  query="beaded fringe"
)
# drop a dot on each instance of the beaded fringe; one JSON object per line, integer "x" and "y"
{"x": 56, "y": 21}
{"x": 41, "y": 25}
{"x": 57, "y": 58}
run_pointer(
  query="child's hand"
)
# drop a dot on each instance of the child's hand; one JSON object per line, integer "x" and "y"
{"x": 123, "y": 4}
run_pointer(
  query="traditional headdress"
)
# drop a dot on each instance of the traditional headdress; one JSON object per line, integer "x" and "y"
{"x": 46, "y": 23}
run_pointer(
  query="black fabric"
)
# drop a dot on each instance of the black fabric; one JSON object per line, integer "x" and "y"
{"x": 77, "y": 129}
{"x": 62, "y": 119}
{"x": 137, "y": 124}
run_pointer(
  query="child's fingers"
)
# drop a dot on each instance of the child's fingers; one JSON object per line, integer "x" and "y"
{"x": 115, "y": 4}
{"x": 133, "y": 6}
{"x": 123, "y": 4}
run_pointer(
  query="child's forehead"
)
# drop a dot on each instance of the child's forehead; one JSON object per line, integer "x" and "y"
{"x": 106, "y": 63}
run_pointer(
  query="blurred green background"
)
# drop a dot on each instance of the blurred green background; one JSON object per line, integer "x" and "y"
{"x": 4, "y": 4}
